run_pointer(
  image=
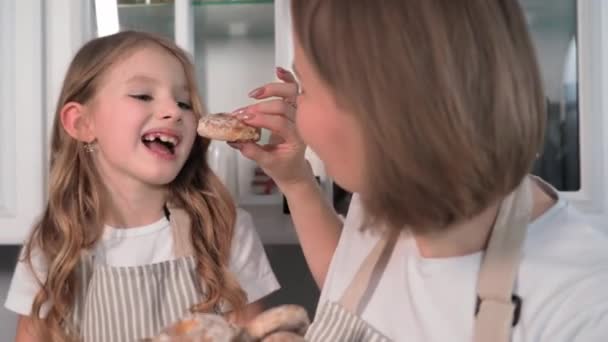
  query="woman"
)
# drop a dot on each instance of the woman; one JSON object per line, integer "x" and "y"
{"x": 432, "y": 112}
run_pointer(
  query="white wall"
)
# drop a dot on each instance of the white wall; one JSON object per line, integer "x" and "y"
{"x": 230, "y": 68}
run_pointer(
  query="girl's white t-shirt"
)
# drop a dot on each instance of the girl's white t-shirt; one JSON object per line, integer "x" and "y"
{"x": 153, "y": 244}
{"x": 562, "y": 280}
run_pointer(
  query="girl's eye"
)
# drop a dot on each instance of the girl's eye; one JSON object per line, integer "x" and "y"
{"x": 184, "y": 105}
{"x": 142, "y": 97}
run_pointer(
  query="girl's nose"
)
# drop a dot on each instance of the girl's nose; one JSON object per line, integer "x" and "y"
{"x": 171, "y": 112}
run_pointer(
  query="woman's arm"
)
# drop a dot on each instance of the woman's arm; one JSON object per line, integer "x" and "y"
{"x": 25, "y": 331}
{"x": 317, "y": 224}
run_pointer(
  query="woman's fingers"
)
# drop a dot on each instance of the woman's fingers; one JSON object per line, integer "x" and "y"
{"x": 284, "y": 90}
{"x": 287, "y": 89}
{"x": 252, "y": 151}
{"x": 285, "y": 75}
{"x": 277, "y": 124}
{"x": 264, "y": 155}
{"x": 273, "y": 107}
{"x": 267, "y": 156}
{"x": 276, "y": 115}
{"x": 275, "y": 139}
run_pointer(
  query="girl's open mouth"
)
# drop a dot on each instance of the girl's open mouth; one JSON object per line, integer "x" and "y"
{"x": 161, "y": 143}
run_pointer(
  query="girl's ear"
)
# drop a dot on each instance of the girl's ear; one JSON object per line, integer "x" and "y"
{"x": 76, "y": 122}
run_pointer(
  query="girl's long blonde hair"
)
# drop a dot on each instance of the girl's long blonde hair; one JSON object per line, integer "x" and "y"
{"x": 73, "y": 219}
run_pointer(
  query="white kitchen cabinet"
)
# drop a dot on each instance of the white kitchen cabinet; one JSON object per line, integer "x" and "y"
{"x": 22, "y": 142}
{"x": 236, "y": 45}
{"x": 37, "y": 41}
{"x": 591, "y": 70}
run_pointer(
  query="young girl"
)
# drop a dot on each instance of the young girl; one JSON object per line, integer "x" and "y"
{"x": 138, "y": 231}
{"x": 432, "y": 112}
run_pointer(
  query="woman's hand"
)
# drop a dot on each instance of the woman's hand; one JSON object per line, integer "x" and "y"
{"x": 283, "y": 157}
{"x": 316, "y": 223}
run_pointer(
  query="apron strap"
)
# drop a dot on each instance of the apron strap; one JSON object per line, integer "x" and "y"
{"x": 370, "y": 271}
{"x": 496, "y": 303}
{"x": 180, "y": 227}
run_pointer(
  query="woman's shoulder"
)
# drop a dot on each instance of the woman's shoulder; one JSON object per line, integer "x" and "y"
{"x": 566, "y": 234}
{"x": 356, "y": 237}
{"x": 564, "y": 271}
{"x": 354, "y": 245}
{"x": 566, "y": 255}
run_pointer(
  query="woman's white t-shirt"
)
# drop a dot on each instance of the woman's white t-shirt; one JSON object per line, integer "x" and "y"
{"x": 562, "y": 280}
{"x": 153, "y": 244}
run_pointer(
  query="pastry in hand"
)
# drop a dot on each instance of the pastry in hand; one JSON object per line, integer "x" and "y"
{"x": 283, "y": 336}
{"x": 227, "y": 127}
{"x": 285, "y": 318}
{"x": 199, "y": 328}
{"x": 286, "y": 323}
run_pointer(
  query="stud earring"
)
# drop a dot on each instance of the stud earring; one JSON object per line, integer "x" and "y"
{"x": 90, "y": 147}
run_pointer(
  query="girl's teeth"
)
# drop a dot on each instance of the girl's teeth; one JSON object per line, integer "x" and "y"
{"x": 165, "y": 138}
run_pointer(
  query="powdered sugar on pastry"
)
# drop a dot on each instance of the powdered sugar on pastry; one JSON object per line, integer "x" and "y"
{"x": 226, "y": 127}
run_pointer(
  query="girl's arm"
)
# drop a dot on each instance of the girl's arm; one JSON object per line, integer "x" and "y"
{"x": 25, "y": 330}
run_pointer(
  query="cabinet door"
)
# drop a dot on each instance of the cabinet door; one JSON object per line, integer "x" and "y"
{"x": 21, "y": 119}
{"x": 570, "y": 37}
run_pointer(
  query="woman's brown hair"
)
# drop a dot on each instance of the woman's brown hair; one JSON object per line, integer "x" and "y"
{"x": 447, "y": 93}
{"x": 73, "y": 219}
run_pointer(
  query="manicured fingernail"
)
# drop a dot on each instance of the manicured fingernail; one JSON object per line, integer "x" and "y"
{"x": 240, "y": 111}
{"x": 243, "y": 113}
{"x": 281, "y": 71}
{"x": 234, "y": 145}
{"x": 245, "y": 116}
{"x": 256, "y": 92}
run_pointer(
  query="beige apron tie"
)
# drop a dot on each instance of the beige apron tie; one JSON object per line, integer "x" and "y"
{"x": 500, "y": 265}
{"x": 371, "y": 270}
{"x": 182, "y": 243}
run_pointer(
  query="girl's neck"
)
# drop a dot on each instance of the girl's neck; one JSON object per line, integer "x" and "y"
{"x": 472, "y": 236}
{"x": 134, "y": 204}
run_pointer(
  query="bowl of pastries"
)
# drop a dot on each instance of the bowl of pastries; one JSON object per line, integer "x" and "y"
{"x": 286, "y": 323}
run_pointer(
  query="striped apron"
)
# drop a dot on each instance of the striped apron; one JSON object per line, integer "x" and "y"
{"x": 497, "y": 307}
{"x": 135, "y": 302}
